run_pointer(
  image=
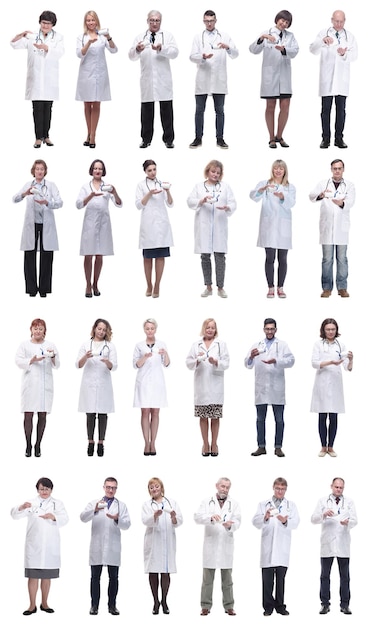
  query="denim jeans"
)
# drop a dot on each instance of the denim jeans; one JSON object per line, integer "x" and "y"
{"x": 278, "y": 411}
{"x": 218, "y": 103}
{"x": 341, "y": 267}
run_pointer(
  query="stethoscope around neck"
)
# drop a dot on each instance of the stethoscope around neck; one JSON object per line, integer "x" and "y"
{"x": 155, "y": 181}
{"x": 331, "y": 500}
{"x": 148, "y": 37}
{"x": 156, "y": 506}
{"x": 217, "y": 35}
{"x": 271, "y": 505}
{"x": 337, "y": 189}
{"x": 327, "y": 343}
{"x": 212, "y": 503}
{"x": 105, "y": 350}
{"x": 42, "y": 38}
{"x": 280, "y": 37}
{"x": 334, "y": 31}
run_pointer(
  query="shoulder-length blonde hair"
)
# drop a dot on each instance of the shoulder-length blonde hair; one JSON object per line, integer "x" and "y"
{"x": 95, "y": 16}
{"x": 156, "y": 480}
{"x": 205, "y": 324}
{"x": 281, "y": 163}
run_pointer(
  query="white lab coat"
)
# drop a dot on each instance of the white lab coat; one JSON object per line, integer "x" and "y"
{"x": 208, "y": 378}
{"x": 269, "y": 379}
{"x": 37, "y": 388}
{"x": 210, "y": 223}
{"x": 105, "y": 546}
{"x": 211, "y": 74}
{"x": 159, "y": 549}
{"x": 150, "y": 389}
{"x": 218, "y": 545}
{"x": 42, "y": 547}
{"x": 276, "y": 537}
{"x": 96, "y": 393}
{"x": 334, "y": 69}
{"x": 334, "y": 221}
{"x": 42, "y": 67}
{"x": 93, "y": 78}
{"x": 328, "y": 392}
{"x": 155, "y": 230}
{"x": 276, "y": 67}
{"x": 275, "y": 222}
{"x": 96, "y": 235}
{"x": 335, "y": 537}
{"x": 49, "y": 234}
{"x": 156, "y": 80}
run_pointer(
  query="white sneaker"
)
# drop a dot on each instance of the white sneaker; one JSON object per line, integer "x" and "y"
{"x": 271, "y": 292}
{"x": 322, "y": 453}
{"x": 206, "y": 293}
{"x": 222, "y": 293}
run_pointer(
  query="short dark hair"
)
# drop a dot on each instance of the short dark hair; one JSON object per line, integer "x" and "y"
{"x": 46, "y": 482}
{"x": 147, "y": 163}
{"x": 338, "y": 161}
{"x": 328, "y": 320}
{"x": 269, "y": 320}
{"x": 110, "y": 479}
{"x": 93, "y": 164}
{"x": 284, "y": 15}
{"x": 48, "y": 16}
{"x": 209, "y": 13}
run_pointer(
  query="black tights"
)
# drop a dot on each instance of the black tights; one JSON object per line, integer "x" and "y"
{"x": 269, "y": 266}
{"x": 165, "y": 584}
{"x": 102, "y": 425}
{"x": 28, "y": 428}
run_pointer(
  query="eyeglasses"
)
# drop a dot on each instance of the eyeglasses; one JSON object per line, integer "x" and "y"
{"x": 46, "y": 23}
{"x": 209, "y": 21}
{"x": 110, "y": 488}
{"x": 154, "y": 21}
{"x": 44, "y": 489}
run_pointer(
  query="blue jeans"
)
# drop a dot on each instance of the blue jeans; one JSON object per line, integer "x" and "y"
{"x": 218, "y": 103}
{"x": 278, "y": 411}
{"x": 341, "y": 267}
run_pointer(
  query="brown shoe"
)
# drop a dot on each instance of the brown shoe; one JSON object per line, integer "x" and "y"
{"x": 279, "y": 452}
{"x": 259, "y": 451}
{"x": 205, "y": 612}
{"x": 326, "y": 293}
{"x": 230, "y": 611}
{"x": 343, "y": 293}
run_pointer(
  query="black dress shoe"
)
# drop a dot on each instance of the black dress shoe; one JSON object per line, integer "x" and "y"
{"x": 324, "y": 609}
{"x": 28, "y": 451}
{"x": 96, "y": 292}
{"x": 92, "y": 145}
{"x": 30, "y": 612}
{"x": 47, "y": 610}
{"x": 259, "y": 452}
{"x": 90, "y": 451}
{"x": 86, "y": 143}
{"x": 36, "y": 144}
{"x": 33, "y": 295}
{"x": 48, "y": 142}
{"x": 88, "y": 294}
{"x": 37, "y": 452}
{"x": 113, "y": 610}
{"x": 100, "y": 449}
{"x": 169, "y": 144}
{"x": 43, "y": 295}
{"x": 325, "y": 143}
{"x": 340, "y": 143}
{"x": 221, "y": 143}
{"x": 282, "y": 611}
{"x": 145, "y": 144}
{"x": 346, "y": 610}
{"x": 93, "y": 610}
{"x": 165, "y": 609}
{"x": 156, "y": 608}
{"x": 196, "y": 143}
{"x": 267, "y": 613}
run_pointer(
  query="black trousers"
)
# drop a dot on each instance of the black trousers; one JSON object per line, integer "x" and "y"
{"x": 42, "y": 117}
{"x": 273, "y": 576}
{"x": 43, "y": 285}
{"x": 167, "y": 120}
{"x": 340, "y": 103}
{"x": 112, "y": 591}
{"x": 326, "y": 564}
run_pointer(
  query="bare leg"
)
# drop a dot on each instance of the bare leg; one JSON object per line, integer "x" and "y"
{"x": 147, "y": 263}
{"x": 45, "y": 589}
{"x": 88, "y": 272}
{"x": 270, "y": 117}
{"x": 32, "y": 592}
{"x": 203, "y": 424}
{"x": 95, "y": 116}
{"x": 159, "y": 268}
{"x": 283, "y": 116}
{"x": 145, "y": 424}
{"x": 87, "y": 115}
{"x": 97, "y": 270}
{"x": 155, "y": 416}
{"x": 215, "y": 426}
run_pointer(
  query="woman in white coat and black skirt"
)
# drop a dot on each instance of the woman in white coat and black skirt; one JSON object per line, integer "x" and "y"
{"x": 161, "y": 516}
{"x": 98, "y": 359}
{"x": 93, "y": 79}
{"x": 209, "y": 358}
{"x": 328, "y": 394}
{"x": 39, "y": 229}
{"x": 275, "y": 223}
{"x": 96, "y": 238}
{"x": 45, "y": 516}
{"x": 149, "y": 359}
{"x": 37, "y": 357}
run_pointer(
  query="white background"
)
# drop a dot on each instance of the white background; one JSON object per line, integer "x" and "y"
{"x": 180, "y": 311}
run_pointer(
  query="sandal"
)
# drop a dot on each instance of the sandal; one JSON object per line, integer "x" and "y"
{"x": 272, "y": 143}
{"x": 282, "y": 143}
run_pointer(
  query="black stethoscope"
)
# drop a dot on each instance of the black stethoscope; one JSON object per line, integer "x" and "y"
{"x": 212, "y": 504}
{"x": 203, "y": 347}
{"x": 216, "y": 34}
{"x": 156, "y": 506}
{"x": 341, "y": 182}
{"x": 336, "y": 33}
{"x": 216, "y": 191}
{"x": 155, "y": 181}
{"x": 271, "y": 505}
{"x": 102, "y": 351}
{"x": 149, "y": 39}
{"x": 41, "y": 38}
{"x": 328, "y": 343}
{"x": 41, "y": 187}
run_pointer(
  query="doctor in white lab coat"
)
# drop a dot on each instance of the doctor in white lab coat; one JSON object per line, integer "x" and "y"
{"x": 221, "y": 517}
{"x": 276, "y": 517}
{"x": 161, "y": 516}
{"x": 210, "y": 51}
{"x": 269, "y": 358}
{"x": 109, "y": 516}
{"x": 42, "y": 87}
{"x": 45, "y": 516}
{"x": 337, "y": 515}
{"x": 279, "y": 46}
{"x": 335, "y": 197}
{"x": 155, "y": 48}
{"x": 337, "y": 48}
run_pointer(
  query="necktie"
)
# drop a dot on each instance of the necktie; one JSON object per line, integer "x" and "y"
{"x": 153, "y": 36}
{"x": 281, "y": 34}
{"x": 337, "y": 500}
